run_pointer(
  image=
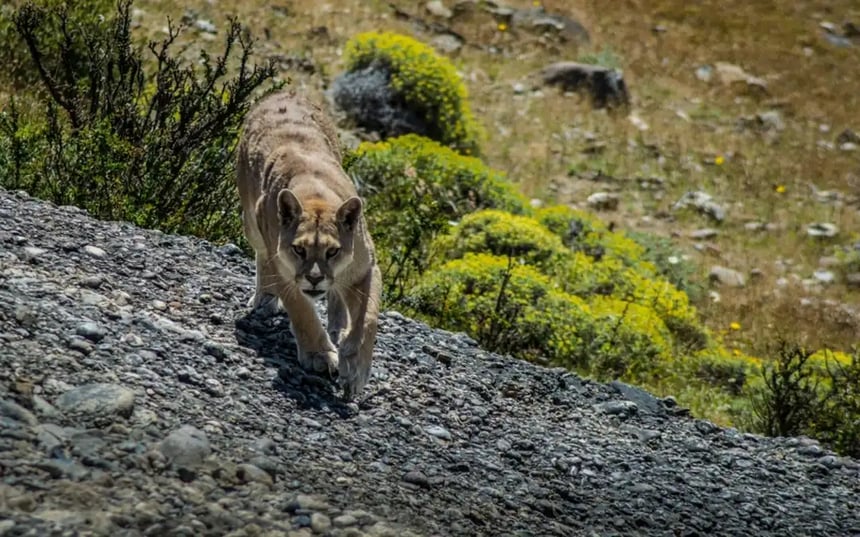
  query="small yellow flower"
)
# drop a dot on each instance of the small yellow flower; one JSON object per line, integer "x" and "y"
{"x": 780, "y": 189}
{"x": 502, "y": 26}
{"x": 736, "y": 352}
{"x": 735, "y": 325}
{"x": 720, "y": 160}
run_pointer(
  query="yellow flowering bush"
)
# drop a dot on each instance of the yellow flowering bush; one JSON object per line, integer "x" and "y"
{"x": 504, "y": 234}
{"x": 584, "y": 232}
{"x": 506, "y": 306}
{"x": 427, "y": 82}
{"x": 414, "y": 187}
{"x": 512, "y": 307}
{"x": 575, "y": 272}
{"x": 630, "y": 341}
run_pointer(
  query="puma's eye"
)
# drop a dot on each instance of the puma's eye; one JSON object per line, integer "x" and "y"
{"x": 299, "y": 251}
{"x": 331, "y": 252}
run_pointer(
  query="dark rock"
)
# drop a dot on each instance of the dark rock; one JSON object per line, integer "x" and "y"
{"x": 186, "y": 446}
{"x": 644, "y": 401}
{"x": 367, "y": 99}
{"x": 97, "y": 400}
{"x": 91, "y": 331}
{"x": 416, "y": 477}
{"x": 605, "y": 86}
{"x": 537, "y": 19}
{"x": 618, "y": 408}
{"x": 16, "y": 412}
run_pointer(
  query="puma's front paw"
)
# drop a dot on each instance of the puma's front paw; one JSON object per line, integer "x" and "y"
{"x": 319, "y": 362}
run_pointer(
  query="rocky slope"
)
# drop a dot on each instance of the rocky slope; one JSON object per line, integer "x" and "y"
{"x": 138, "y": 396}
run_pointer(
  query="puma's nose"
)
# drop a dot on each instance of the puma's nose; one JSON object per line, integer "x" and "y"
{"x": 314, "y": 279}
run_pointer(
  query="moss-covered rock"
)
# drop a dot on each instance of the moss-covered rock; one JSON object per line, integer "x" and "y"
{"x": 426, "y": 84}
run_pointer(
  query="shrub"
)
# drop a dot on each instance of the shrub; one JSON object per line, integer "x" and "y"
{"x": 18, "y": 68}
{"x": 424, "y": 82}
{"x": 414, "y": 187}
{"x": 610, "y": 263}
{"x": 152, "y": 148}
{"x": 506, "y": 306}
{"x": 498, "y": 233}
{"x": 837, "y": 422}
{"x": 504, "y": 234}
{"x": 583, "y": 232}
{"x": 729, "y": 371}
{"x": 511, "y": 307}
{"x": 811, "y": 393}
{"x": 630, "y": 341}
{"x": 671, "y": 304}
{"x": 669, "y": 262}
{"x": 786, "y": 405}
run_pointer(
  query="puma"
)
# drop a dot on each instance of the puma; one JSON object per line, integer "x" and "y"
{"x": 304, "y": 219}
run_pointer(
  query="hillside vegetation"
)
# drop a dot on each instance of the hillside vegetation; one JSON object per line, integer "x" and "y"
{"x": 539, "y": 223}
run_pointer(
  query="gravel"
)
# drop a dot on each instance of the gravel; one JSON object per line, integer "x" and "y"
{"x": 138, "y": 396}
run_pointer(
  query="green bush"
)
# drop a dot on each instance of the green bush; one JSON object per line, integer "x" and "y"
{"x": 730, "y": 371}
{"x": 811, "y": 393}
{"x": 504, "y": 234}
{"x": 615, "y": 275}
{"x": 583, "y": 232}
{"x": 670, "y": 263}
{"x": 506, "y": 306}
{"x": 18, "y": 68}
{"x": 414, "y": 187}
{"x": 155, "y": 147}
{"x": 630, "y": 341}
{"x": 427, "y": 82}
{"x": 511, "y": 307}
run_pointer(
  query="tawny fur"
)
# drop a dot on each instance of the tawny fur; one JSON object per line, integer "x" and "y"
{"x": 304, "y": 219}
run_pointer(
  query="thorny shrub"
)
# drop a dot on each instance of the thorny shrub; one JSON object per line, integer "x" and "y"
{"x": 811, "y": 393}
{"x": 152, "y": 143}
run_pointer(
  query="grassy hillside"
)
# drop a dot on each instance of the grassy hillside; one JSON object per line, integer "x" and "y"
{"x": 552, "y": 144}
{"x": 775, "y": 150}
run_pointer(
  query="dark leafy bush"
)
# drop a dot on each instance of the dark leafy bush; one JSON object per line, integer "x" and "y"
{"x": 18, "y": 68}
{"x": 811, "y": 393}
{"x": 414, "y": 188}
{"x": 152, "y": 146}
{"x": 419, "y": 85}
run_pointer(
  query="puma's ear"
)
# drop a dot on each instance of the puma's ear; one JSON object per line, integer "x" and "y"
{"x": 289, "y": 207}
{"x": 349, "y": 212}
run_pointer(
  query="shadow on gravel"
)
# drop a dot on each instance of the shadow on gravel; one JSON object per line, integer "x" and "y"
{"x": 268, "y": 334}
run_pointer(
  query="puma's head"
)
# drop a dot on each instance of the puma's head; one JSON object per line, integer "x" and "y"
{"x": 316, "y": 239}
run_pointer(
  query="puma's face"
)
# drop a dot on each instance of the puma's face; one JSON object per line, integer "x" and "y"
{"x": 316, "y": 240}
